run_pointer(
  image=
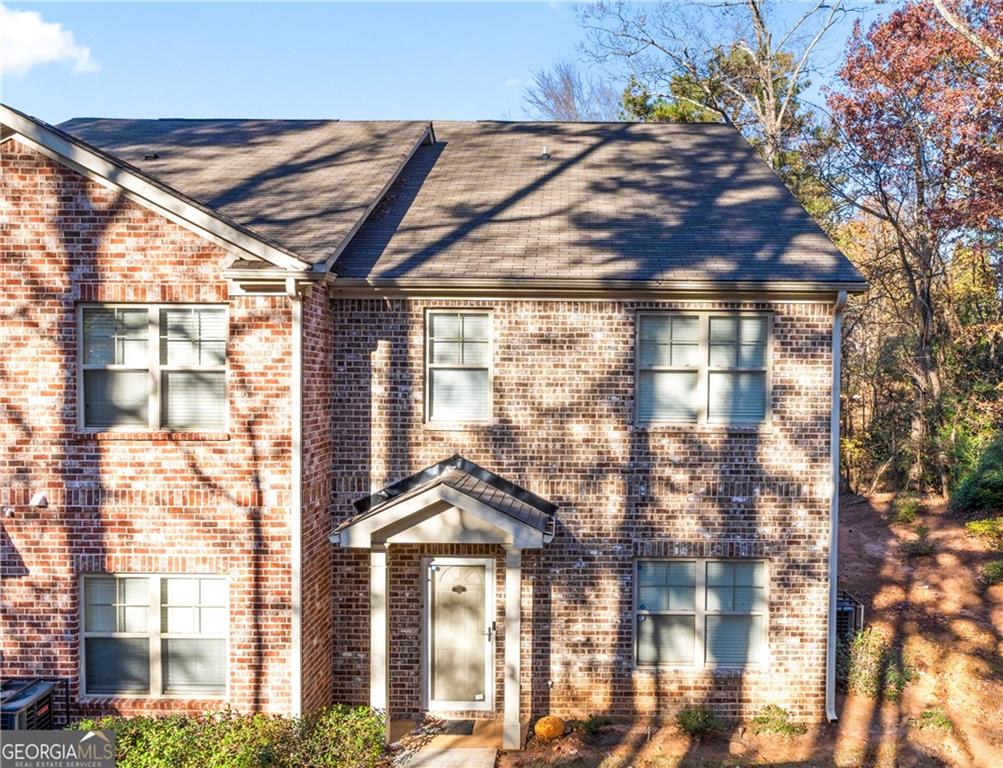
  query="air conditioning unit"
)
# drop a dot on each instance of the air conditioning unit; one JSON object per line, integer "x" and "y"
{"x": 26, "y": 704}
{"x": 849, "y": 615}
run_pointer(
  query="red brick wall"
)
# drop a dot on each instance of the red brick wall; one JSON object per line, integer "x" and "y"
{"x": 132, "y": 503}
{"x": 219, "y": 503}
{"x": 563, "y": 399}
{"x": 319, "y": 410}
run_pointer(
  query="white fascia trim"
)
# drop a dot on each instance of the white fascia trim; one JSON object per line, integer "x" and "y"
{"x": 585, "y": 288}
{"x": 296, "y": 506}
{"x": 360, "y": 535}
{"x": 830, "y": 655}
{"x": 138, "y": 189}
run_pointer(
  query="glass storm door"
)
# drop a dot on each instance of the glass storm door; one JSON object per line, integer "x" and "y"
{"x": 460, "y": 636}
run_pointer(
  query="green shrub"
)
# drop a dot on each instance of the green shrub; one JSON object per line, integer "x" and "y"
{"x": 934, "y": 718}
{"x": 592, "y": 725}
{"x": 906, "y": 508}
{"x": 992, "y": 572}
{"x": 774, "y": 719}
{"x": 981, "y": 492}
{"x": 872, "y": 668}
{"x": 342, "y": 736}
{"x": 990, "y": 529}
{"x": 921, "y": 546}
{"x": 338, "y": 737}
{"x": 698, "y": 721}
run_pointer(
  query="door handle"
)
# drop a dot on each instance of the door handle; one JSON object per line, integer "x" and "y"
{"x": 490, "y": 631}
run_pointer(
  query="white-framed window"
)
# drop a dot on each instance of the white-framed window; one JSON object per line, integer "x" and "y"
{"x": 154, "y": 635}
{"x": 153, "y": 367}
{"x": 702, "y": 368}
{"x": 458, "y": 365}
{"x": 700, "y": 612}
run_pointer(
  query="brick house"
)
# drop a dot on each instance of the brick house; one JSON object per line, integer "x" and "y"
{"x": 491, "y": 419}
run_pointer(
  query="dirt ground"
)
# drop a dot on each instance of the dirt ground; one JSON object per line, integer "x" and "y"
{"x": 946, "y": 624}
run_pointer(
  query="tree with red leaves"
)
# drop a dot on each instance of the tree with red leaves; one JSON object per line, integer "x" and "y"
{"x": 919, "y": 114}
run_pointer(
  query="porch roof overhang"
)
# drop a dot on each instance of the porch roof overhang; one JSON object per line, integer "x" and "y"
{"x": 452, "y": 502}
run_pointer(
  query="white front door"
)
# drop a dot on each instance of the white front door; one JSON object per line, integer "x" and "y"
{"x": 459, "y": 633}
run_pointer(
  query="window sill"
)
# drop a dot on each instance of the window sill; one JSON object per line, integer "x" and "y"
{"x": 463, "y": 426}
{"x": 722, "y": 670}
{"x": 765, "y": 428}
{"x": 158, "y": 435}
{"x": 104, "y": 698}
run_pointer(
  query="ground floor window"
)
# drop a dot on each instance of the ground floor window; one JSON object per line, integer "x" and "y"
{"x": 154, "y": 635}
{"x": 700, "y": 612}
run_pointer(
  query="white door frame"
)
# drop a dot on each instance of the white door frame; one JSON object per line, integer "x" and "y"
{"x": 490, "y": 588}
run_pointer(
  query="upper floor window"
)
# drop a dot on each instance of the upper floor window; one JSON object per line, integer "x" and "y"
{"x": 157, "y": 367}
{"x": 702, "y": 368}
{"x": 153, "y": 635}
{"x": 700, "y": 612}
{"x": 458, "y": 362}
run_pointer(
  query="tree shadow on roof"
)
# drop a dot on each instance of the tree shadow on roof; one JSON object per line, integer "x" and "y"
{"x": 616, "y": 202}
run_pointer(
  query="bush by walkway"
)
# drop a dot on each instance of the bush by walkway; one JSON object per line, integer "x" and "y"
{"x": 338, "y": 737}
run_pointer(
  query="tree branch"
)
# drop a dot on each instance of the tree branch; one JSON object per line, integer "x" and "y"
{"x": 967, "y": 32}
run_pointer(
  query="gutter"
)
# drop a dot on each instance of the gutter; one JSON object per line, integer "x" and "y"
{"x": 576, "y": 287}
{"x": 296, "y": 503}
{"x": 830, "y": 654}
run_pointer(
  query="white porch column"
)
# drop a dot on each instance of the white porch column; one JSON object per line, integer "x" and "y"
{"x": 379, "y": 630}
{"x": 511, "y": 725}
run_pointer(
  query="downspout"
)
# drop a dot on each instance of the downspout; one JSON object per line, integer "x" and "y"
{"x": 830, "y": 656}
{"x": 296, "y": 502}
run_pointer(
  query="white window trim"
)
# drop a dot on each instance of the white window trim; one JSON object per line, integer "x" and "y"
{"x": 704, "y": 369}
{"x": 153, "y": 367}
{"x": 429, "y": 366}
{"x": 700, "y": 614}
{"x": 154, "y": 637}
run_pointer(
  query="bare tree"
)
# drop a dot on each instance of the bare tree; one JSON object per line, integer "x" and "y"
{"x": 565, "y": 93}
{"x": 741, "y": 58}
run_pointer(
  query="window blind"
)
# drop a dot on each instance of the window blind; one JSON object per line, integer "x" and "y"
{"x": 697, "y": 368}
{"x": 459, "y": 366}
{"x": 117, "y": 664}
{"x": 665, "y": 639}
{"x": 738, "y": 395}
{"x": 735, "y": 639}
{"x": 194, "y": 665}
{"x": 193, "y": 338}
{"x": 668, "y": 363}
{"x": 194, "y": 399}
{"x": 125, "y": 359}
{"x": 726, "y": 599}
{"x": 121, "y": 631}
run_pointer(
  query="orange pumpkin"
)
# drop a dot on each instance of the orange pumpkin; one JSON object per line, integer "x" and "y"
{"x": 549, "y": 727}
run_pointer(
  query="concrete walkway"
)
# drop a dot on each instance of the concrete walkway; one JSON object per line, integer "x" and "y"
{"x": 439, "y": 750}
{"x": 453, "y": 757}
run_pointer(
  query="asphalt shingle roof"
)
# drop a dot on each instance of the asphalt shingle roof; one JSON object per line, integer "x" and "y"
{"x": 612, "y": 201}
{"x": 631, "y": 202}
{"x": 467, "y": 478}
{"x": 304, "y": 184}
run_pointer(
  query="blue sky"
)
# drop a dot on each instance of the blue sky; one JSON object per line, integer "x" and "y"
{"x": 351, "y": 61}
